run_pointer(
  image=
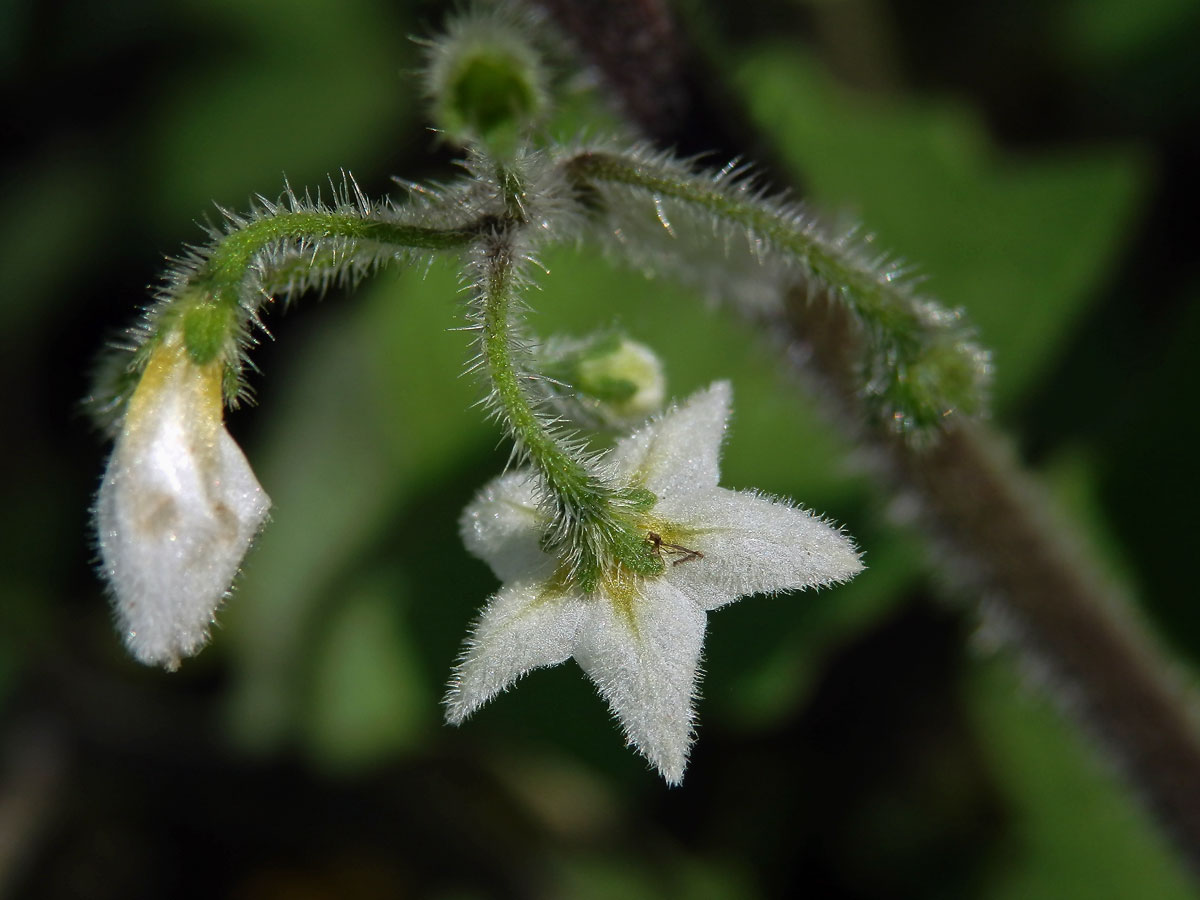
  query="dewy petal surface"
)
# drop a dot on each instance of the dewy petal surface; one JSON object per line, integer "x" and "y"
{"x": 527, "y": 625}
{"x": 177, "y": 510}
{"x": 680, "y": 452}
{"x": 502, "y": 525}
{"x": 754, "y": 544}
{"x": 642, "y": 651}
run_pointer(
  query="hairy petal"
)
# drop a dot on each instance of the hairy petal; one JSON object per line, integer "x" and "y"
{"x": 502, "y": 524}
{"x": 527, "y": 625}
{"x": 754, "y": 544}
{"x": 643, "y": 653}
{"x": 176, "y": 512}
{"x": 680, "y": 452}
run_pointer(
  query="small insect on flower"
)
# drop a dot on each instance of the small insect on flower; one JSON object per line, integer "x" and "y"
{"x": 638, "y": 637}
{"x": 660, "y": 545}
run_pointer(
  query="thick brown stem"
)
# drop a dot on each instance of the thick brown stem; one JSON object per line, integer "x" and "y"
{"x": 988, "y": 516}
{"x": 1001, "y": 542}
{"x": 660, "y": 81}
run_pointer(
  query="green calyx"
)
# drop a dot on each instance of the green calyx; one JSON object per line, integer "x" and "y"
{"x": 626, "y": 546}
{"x": 619, "y": 532}
{"x": 611, "y": 534}
{"x": 487, "y": 81}
{"x": 638, "y": 499}
{"x": 208, "y": 328}
{"x": 933, "y": 381}
{"x": 602, "y": 370}
{"x": 614, "y": 381}
{"x": 493, "y": 96}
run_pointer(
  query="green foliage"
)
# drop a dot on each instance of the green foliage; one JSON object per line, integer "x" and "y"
{"x": 1022, "y": 243}
{"x": 1065, "y": 806}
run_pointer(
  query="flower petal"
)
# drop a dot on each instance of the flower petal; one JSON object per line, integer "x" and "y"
{"x": 502, "y": 525}
{"x": 643, "y": 655}
{"x": 176, "y": 512}
{"x": 754, "y": 544}
{"x": 529, "y": 624}
{"x": 679, "y": 452}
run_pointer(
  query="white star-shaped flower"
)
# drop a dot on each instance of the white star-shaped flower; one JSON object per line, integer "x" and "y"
{"x": 177, "y": 509}
{"x": 639, "y": 637}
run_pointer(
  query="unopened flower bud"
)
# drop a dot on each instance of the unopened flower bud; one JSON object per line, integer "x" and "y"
{"x": 177, "y": 509}
{"x": 486, "y": 81}
{"x": 614, "y": 381}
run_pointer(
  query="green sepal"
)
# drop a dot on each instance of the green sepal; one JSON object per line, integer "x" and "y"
{"x": 631, "y": 548}
{"x": 639, "y": 499}
{"x": 494, "y": 97}
{"x": 587, "y": 576}
{"x": 207, "y": 330}
{"x": 610, "y": 388}
{"x": 922, "y": 388}
{"x": 614, "y": 381}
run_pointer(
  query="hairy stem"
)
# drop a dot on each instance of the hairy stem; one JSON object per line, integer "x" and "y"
{"x": 575, "y": 489}
{"x": 871, "y": 294}
{"x": 212, "y": 292}
{"x": 587, "y": 528}
{"x": 230, "y": 260}
{"x": 919, "y": 363}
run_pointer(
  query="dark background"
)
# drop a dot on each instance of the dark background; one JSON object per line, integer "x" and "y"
{"x": 1037, "y": 160}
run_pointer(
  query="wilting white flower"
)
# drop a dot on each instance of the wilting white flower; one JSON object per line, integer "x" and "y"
{"x": 177, "y": 509}
{"x": 639, "y": 638}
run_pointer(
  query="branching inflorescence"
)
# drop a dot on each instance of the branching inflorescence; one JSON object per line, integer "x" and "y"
{"x": 624, "y": 546}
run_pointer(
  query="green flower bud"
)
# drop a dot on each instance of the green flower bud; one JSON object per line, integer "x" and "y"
{"x": 944, "y": 377}
{"x": 613, "y": 381}
{"x": 486, "y": 81}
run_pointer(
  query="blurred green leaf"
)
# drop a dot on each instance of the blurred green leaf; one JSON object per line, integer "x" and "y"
{"x": 327, "y": 465}
{"x": 1023, "y": 244}
{"x": 368, "y": 699}
{"x": 416, "y": 363}
{"x": 287, "y": 89}
{"x": 1075, "y": 831}
{"x": 1104, "y": 32}
{"x": 600, "y": 877}
{"x": 369, "y": 413}
{"x": 48, "y": 240}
